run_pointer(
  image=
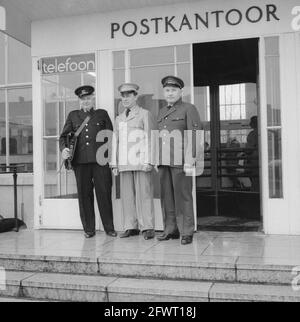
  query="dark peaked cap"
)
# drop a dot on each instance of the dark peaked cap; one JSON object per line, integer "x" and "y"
{"x": 84, "y": 91}
{"x": 172, "y": 81}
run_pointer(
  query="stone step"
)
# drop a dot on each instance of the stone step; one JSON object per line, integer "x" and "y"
{"x": 13, "y": 299}
{"x": 207, "y": 268}
{"x": 68, "y": 287}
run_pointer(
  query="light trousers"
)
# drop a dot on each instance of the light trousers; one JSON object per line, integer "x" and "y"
{"x": 137, "y": 200}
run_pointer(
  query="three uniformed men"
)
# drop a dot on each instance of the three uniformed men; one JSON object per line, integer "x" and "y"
{"x": 174, "y": 158}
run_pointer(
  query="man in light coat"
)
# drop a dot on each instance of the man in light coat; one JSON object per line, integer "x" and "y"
{"x": 133, "y": 157}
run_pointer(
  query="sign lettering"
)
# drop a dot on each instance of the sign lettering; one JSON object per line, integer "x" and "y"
{"x": 67, "y": 64}
{"x": 196, "y": 21}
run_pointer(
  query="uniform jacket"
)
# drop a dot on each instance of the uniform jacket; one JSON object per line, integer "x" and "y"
{"x": 87, "y": 146}
{"x": 133, "y": 147}
{"x": 181, "y": 116}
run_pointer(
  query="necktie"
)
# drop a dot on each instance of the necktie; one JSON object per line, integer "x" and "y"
{"x": 127, "y": 112}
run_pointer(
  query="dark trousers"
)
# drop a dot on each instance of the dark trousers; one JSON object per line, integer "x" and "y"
{"x": 177, "y": 200}
{"x": 89, "y": 176}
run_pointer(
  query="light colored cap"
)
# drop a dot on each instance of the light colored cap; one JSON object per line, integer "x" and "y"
{"x": 128, "y": 87}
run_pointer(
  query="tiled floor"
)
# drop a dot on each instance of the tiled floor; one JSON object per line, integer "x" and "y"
{"x": 223, "y": 247}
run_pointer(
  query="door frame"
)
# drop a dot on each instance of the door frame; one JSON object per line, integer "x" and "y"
{"x": 105, "y": 99}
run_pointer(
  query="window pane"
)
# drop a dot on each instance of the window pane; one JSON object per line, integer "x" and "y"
{"x": 20, "y": 128}
{"x": 2, "y": 131}
{"x": 19, "y": 62}
{"x": 273, "y": 91}
{"x": 151, "y": 96}
{"x": 118, "y": 59}
{"x": 58, "y": 101}
{"x": 275, "y": 163}
{"x": 2, "y": 58}
{"x": 274, "y": 117}
{"x": 272, "y": 46}
{"x": 151, "y": 92}
{"x": 183, "y": 53}
{"x": 152, "y": 56}
{"x": 57, "y": 186}
{"x": 119, "y": 78}
{"x": 184, "y": 72}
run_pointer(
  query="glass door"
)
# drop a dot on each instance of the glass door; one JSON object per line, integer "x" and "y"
{"x": 225, "y": 91}
{"x": 60, "y": 204}
{"x": 229, "y": 185}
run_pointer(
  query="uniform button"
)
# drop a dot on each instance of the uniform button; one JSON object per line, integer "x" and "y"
{"x": 86, "y": 125}
{"x": 164, "y": 142}
{"x": 87, "y": 143}
{"x": 86, "y": 130}
{"x": 165, "y": 126}
{"x": 87, "y": 136}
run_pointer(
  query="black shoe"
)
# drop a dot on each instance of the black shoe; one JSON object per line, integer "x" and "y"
{"x": 168, "y": 236}
{"x": 130, "y": 232}
{"x": 185, "y": 240}
{"x": 89, "y": 235}
{"x": 148, "y": 234}
{"x": 112, "y": 233}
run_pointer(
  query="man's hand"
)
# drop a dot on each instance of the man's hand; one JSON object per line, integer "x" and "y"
{"x": 115, "y": 171}
{"x": 147, "y": 167}
{"x": 189, "y": 170}
{"x": 65, "y": 153}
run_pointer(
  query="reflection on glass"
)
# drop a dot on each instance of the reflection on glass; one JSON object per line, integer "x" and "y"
{"x": 239, "y": 137}
{"x": 2, "y": 58}
{"x": 184, "y": 72}
{"x": 274, "y": 116}
{"x": 152, "y": 56}
{"x": 183, "y": 53}
{"x": 275, "y": 163}
{"x": 20, "y": 128}
{"x": 233, "y": 133}
{"x": 57, "y": 185}
{"x": 273, "y": 92}
{"x": 118, "y": 59}
{"x": 232, "y": 102}
{"x": 202, "y": 103}
{"x": 19, "y": 62}
{"x": 149, "y": 79}
{"x": 58, "y": 101}
{"x": 119, "y": 78}
{"x": 148, "y": 67}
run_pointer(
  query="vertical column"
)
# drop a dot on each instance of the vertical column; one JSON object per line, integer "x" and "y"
{"x": 37, "y": 121}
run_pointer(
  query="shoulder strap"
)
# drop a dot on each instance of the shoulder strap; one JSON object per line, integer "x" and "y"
{"x": 84, "y": 123}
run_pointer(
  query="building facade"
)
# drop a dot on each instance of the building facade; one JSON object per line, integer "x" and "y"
{"x": 240, "y": 62}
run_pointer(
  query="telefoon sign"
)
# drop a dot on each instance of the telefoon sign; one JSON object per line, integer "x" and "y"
{"x": 67, "y": 64}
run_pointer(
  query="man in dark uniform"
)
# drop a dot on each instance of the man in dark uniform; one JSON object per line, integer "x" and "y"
{"x": 88, "y": 172}
{"x": 178, "y": 123}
